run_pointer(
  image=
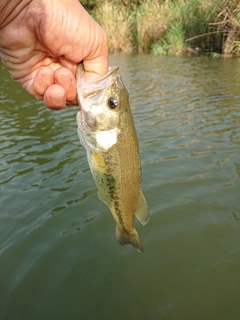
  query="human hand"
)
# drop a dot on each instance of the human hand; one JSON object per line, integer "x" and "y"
{"x": 42, "y": 42}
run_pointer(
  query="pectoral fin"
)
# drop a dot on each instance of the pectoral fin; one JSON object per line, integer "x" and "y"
{"x": 142, "y": 210}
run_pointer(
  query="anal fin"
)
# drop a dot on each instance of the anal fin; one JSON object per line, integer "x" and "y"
{"x": 142, "y": 210}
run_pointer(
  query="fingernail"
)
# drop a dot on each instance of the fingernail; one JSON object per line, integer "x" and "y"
{"x": 46, "y": 78}
{"x": 64, "y": 81}
{"x": 58, "y": 100}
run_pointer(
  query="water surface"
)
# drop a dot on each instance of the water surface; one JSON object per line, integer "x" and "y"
{"x": 59, "y": 258}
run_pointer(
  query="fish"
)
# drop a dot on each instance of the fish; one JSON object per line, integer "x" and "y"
{"x": 106, "y": 129}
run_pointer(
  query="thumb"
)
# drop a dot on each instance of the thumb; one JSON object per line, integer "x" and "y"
{"x": 95, "y": 68}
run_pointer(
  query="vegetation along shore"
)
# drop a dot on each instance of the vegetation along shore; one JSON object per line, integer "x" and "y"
{"x": 169, "y": 26}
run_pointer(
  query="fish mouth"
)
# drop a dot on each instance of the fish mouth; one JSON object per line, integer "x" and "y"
{"x": 86, "y": 89}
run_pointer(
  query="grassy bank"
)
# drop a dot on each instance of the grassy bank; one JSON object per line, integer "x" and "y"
{"x": 169, "y": 26}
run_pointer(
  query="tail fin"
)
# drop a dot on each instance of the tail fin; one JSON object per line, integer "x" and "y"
{"x": 129, "y": 238}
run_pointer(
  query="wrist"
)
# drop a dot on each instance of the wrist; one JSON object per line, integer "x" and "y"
{"x": 9, "y": 9}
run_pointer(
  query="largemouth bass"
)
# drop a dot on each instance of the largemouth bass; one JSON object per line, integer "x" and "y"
{"x": 106, "y": 129}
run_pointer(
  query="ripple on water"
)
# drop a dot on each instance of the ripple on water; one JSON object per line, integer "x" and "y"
{"x": 55, "y": 233}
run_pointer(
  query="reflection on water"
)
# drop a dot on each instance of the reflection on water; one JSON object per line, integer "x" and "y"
{"x": 58, "y": 255}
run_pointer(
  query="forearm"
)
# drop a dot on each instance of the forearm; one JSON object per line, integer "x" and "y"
{"x": 9, "y": 9}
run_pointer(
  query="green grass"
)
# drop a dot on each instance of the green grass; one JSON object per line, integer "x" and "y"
{"x": 169, "y": 26}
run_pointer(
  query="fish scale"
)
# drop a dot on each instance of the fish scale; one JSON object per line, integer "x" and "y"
{"x": 106, "y": 129}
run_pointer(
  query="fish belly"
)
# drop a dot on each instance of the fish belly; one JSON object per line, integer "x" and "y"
{"x": 119, "y": 188}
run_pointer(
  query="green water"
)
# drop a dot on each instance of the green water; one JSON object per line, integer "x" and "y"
{"x": 59, "y": 258}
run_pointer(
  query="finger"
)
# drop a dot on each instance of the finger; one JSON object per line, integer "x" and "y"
{"x": 95, "y": 68}
{"x": 43, "y": 79}
{"x": 55, "y": 97}
{"x": 70, "y": 65}
{"x": 65, "y": 78}
{"x": 96, "y": 64}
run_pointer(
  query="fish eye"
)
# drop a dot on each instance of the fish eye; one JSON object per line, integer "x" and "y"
{"x": 112, "y": 103}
